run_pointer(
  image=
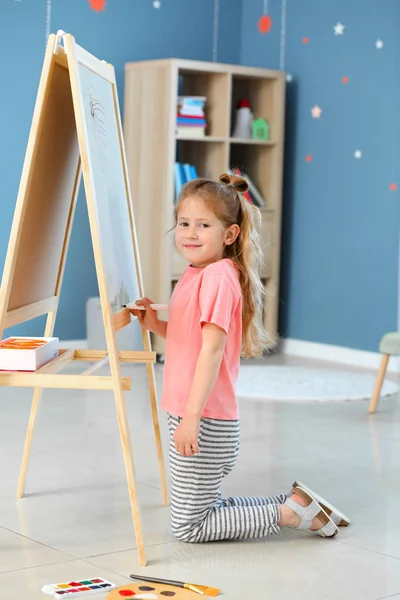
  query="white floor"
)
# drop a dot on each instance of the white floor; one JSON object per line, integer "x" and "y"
{"x": 75, "y": 522}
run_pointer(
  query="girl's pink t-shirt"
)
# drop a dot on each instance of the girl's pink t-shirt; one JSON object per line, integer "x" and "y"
{"x": 203, "y": 295}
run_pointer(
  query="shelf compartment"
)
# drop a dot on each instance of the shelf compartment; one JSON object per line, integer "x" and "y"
{"x": 252, "y": 142}
{"x": 209, "y": 159}
{"x": 262, "y": 94}
{"x": 257, "y": 161}
{"x": 216, "y": 88}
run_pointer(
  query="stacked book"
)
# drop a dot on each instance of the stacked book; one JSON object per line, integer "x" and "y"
{"x": 183, "y": 174}
{"x": 191, "y": 121}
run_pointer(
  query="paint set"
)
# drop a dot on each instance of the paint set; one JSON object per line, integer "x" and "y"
{"x": 76, "y": 589}
{"x": 27, "y": 353}
{"x": 148, "y": 588}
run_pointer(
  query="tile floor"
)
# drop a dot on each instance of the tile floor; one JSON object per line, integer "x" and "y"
{"x": 74, "y": 521}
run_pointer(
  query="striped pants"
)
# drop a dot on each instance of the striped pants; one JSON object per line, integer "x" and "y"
{"x": 198, "y": 512}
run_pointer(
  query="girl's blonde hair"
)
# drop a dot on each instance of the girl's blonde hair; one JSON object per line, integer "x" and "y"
{"x": 225, "y": 198}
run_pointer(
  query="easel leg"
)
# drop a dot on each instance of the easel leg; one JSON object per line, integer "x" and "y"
{"x": 154, "y": 411}
{"x": 48, "y": 332}
{"x": 28, "y": 441}
{"x": 379, "y": 382}
{"x": 129, "y": 469}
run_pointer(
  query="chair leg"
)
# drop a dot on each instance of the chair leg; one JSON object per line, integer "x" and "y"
{"x": 379, "y": 382}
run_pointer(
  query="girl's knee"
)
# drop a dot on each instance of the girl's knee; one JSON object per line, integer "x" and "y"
{"x": 184, "y": 533}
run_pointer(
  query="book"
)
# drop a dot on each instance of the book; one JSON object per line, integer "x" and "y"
{"x": 179, "y": 179}
{"x": 191, "y": 111}
{"x": 192, "y": 100}
{"x": 253, "y": 194}
{"x": 190, "y": 131}
{"x": 186, "y": 170}
{"x": 191, "y": 122}
{"x": 183, "y": 173}
{"x": 193, "y": 118}
{"x": 193, "y": 172}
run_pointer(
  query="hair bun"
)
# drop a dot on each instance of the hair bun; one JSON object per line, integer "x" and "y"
{"x": 238, "y": 183}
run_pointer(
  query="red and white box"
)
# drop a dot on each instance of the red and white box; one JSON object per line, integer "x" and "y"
{"x": 23, "y": 353}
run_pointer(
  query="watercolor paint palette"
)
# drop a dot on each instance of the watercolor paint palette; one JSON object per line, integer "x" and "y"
{"x": 76, "y": 589}
{"x": 151, "y": 591}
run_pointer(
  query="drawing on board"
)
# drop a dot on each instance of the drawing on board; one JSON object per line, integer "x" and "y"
{"x": 108, "y": 182}
{"x": 97, "y": 120}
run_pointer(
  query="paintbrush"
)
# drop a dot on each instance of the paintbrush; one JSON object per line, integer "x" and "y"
{"x": 199, "y": 589}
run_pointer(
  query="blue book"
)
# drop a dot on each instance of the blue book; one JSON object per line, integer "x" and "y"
{"x": 186, "y": 170}
{"x": 189, "y": 121}
{"x": 179, "y": 179}
{"x": 193, "y": 172}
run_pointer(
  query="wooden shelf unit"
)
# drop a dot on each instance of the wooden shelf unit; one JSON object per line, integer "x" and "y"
{"x": 152, "y": 147}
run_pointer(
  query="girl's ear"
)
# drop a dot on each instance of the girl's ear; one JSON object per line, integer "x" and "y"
{"x": 231, "y": 234}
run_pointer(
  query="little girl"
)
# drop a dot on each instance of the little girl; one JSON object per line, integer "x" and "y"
{"x": 215, "y": 315}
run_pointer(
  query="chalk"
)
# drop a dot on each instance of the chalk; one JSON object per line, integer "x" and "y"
{"x": 153, "y": 306}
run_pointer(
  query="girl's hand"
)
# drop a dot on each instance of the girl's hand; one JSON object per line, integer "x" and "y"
{"x": 186, "y": 436}
{"x": 147, "y": 318}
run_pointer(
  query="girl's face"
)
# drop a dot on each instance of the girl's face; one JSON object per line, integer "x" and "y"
{"x": 200, "y": 236}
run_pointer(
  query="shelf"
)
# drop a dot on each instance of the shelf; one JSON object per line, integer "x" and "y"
{"x": 251, "y": 142}
{"x": 206, "y": 138}
{"x": 231, "y": 140}
{"x": 223, "y": 86}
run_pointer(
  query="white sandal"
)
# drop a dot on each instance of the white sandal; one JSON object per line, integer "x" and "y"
{"x": 336, "y": 515}
{"x": 309, "y": 512}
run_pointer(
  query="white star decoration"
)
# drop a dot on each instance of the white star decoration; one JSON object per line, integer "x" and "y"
{"x": 289, "y": 77}
{"x": 379, "y": 44}
{"x": 357, "y": 154}
{"x": 339, "y": 29}
{"x": 316, "y": 112}
{"x": 157, "y": 4}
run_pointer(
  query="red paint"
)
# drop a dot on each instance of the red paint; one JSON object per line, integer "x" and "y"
{"x": 393, "y": 187}
{"x": 308, "y": 158}
{"x": 305, "y": 40}
{"x": 74, "y": 584}
{"x": 127, "y": 593}
{"x": 345, "y": 79}
{"x": 265, "y": 24}
{"x": 97, "y": 580}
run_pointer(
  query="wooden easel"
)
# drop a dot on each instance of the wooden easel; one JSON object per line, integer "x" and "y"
{"x": 57, "y": 151}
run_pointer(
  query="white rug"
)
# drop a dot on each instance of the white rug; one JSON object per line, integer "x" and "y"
{"x": 305, "y": 384}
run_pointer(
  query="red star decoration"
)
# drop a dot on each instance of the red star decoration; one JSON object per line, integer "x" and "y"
{"x": 97, "y": 5}
{"x": 265, "y": 24}
{"x": 308, "y": 158}
{"x": 393, "y": 187}
{"x": 305, "y": 40}
{"x": 345, "y": 79}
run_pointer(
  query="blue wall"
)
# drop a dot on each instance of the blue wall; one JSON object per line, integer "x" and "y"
{"x": 341, "y": 220}
{"x": 128, "y": 30}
